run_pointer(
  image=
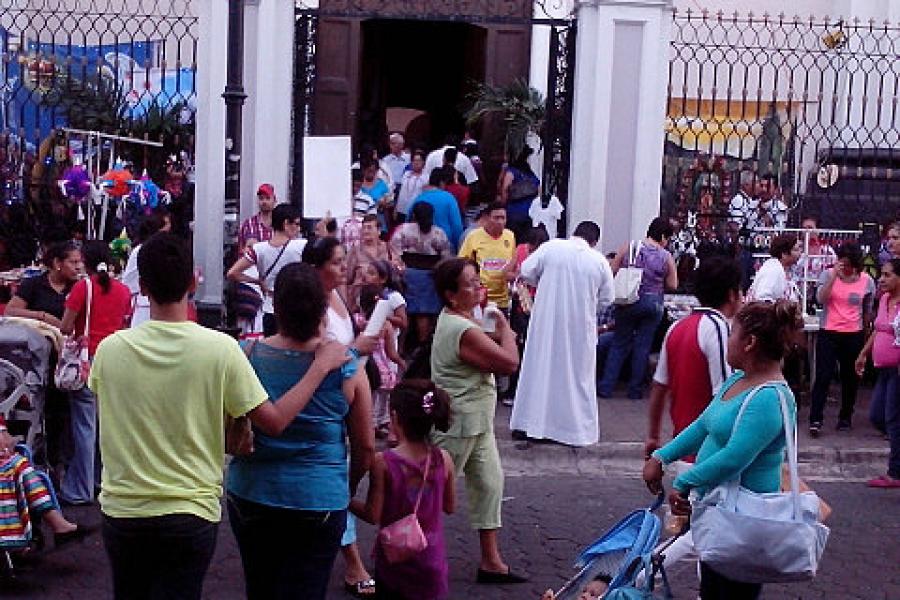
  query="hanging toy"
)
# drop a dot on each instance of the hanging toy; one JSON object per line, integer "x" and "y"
{"x": 118, "y": 179}
{"x": 120, "y": 247}
{"x": 76, "y": 183}
{"x": 149, "y": 192}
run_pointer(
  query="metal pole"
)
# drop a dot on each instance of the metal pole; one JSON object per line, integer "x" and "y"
{"x": 234, "y": 101}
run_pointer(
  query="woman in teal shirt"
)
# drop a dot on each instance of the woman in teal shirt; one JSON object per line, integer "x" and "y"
{"x": 760, "y": 334}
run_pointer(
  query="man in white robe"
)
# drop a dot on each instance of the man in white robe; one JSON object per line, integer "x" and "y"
{"x": 556, "y": 398}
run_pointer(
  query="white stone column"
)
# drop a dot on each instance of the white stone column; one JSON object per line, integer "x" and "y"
{"x": 268, "y": 82}
{"x": 621, "y": 67}
{"x": 209, "y": 208}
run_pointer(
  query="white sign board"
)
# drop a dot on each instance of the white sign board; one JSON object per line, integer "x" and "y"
{"x": 326, "y": 176}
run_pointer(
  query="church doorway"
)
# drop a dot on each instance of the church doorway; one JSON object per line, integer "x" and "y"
{"x": 415, "y": 77}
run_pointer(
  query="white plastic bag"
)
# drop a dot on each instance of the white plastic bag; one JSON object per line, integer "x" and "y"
{"x": 761, "y": 538}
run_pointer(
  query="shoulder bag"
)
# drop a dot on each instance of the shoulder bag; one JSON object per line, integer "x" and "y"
{"x": 761, "y": 538}
{"x": 74, "y": 364}
{"x": 627, "y": 282}
{"x": 404, "y": 538}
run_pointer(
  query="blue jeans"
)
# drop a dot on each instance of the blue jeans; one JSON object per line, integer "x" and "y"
{"x": 159, "y": 558}
{"x": 286, "y": 553}
{"x": 884, "y": 412}
{"x": 78, "y": 482}
{"x": 636, "y": 324}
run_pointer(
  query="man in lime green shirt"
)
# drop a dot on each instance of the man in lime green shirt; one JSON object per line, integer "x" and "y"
{"x": 163, "y": 390}
{"x": 492, "y": 247}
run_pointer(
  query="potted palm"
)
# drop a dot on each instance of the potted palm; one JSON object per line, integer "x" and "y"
{"x": 519, "y": 107}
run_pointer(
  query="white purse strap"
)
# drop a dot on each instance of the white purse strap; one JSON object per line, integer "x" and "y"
{"x": 87, "y": 314}
{"x": 790, "y": 438}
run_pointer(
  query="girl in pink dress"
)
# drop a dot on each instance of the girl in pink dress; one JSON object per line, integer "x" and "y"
{"x": 398, "y": 479}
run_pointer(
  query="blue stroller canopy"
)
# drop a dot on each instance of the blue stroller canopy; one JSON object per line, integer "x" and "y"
{"x": 616, "y": 551}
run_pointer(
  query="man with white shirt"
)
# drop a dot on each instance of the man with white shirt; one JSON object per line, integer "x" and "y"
{"x": 396, "y": 161}
{"x": 742, "y": 208}
{"x": 463, "y": 164}
{"x": 556, "y": 398}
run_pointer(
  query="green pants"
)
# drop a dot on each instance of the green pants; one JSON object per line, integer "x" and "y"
{"x": 478, "y": 459}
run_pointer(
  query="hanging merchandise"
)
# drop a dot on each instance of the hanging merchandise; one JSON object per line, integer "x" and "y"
{"x": 120, "y": 247}
{"x": 76, "y": 183}
{"x": 117, "y": 180}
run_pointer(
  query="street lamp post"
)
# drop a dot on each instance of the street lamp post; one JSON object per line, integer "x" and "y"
{"x": 234, "y": 96}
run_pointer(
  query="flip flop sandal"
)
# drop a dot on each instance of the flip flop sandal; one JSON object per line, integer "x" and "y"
{"x": 361, "y": 589}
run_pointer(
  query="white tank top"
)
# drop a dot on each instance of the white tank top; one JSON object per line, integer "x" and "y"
{"x": 338, "y": 328}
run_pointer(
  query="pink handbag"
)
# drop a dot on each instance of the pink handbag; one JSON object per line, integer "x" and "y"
{"x": 404, "y": 538}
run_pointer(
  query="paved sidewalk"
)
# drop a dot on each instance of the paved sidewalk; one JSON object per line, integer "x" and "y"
{"x": 855, "y": 455}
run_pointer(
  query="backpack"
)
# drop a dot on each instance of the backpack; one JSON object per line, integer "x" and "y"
{"x": 525, "y": 186}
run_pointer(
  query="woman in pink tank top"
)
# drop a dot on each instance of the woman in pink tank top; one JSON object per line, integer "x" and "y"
{"x": 846, "y": 292}
{"x": 413, "y": 478}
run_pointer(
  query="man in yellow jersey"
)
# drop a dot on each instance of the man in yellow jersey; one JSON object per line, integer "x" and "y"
{"x": 492, "y": 247}
{"x": 163, "y": 390}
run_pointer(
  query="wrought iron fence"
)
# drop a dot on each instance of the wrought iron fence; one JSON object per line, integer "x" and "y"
{"x": 813, "y": 102}
{"x": 123, "y": 67}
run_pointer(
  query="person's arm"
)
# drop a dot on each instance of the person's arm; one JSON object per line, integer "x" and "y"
{"x": 685, "y": 443}
{"x": 272, "y": 417}
{"x": 619, "y": 258}
{"x": 370, "y": 510}
{"x": 390, "y": 347}
{"x": 359, "y": 427}
{"x": 68, "y": 321}
{"x": 533, "y": 267}
{"x": 483, "y": 353}
{"x": 868, "y": 304}
{"x": 671, "y": 274}
{"x": 399, "y": 318}
{"x": 826, "y": 282}
{"x": 760, "y": 424}
{"x": 505, "y": 182}
{"x": 860, "y": 365}
{"x": 18, "y": 308}
{"x": 449, "y": 484}
{"x": 658, "y": 394}
{"x": 236, "y": 272}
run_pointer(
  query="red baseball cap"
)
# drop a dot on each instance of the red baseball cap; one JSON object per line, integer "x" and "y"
{"x": 267, "y": 190}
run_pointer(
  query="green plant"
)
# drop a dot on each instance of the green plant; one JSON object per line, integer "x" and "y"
{"x": 520, "y": 106}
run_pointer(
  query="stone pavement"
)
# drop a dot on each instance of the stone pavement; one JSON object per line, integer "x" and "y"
{"x": 558, "y": 499}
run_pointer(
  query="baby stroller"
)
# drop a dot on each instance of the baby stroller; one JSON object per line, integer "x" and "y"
{"x": 627, "y": 556}
{"x": 24, "y": 377}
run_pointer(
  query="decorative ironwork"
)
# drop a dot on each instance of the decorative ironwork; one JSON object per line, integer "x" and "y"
{"x": 305, "y": 28}
{"x": 125, "y": 68}
{"x": 789, "y": 97}
{"x": 557, "y": 135}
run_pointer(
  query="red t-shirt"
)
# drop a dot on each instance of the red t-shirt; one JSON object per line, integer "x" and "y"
{"x": 108, "y": 311}
{"x": 461, "y": 193}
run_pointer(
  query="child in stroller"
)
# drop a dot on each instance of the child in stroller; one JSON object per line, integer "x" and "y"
{"x": 31, "y": 495}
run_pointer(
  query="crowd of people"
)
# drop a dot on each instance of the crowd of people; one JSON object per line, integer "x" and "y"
{"x": 407, "y": 321}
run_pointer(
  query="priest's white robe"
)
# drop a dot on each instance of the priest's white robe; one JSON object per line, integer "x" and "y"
{"x": 556, "y": 398}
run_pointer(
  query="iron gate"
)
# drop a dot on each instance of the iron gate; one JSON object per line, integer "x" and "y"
{"x": 812, "y": 101}
{"x": 556, "y": 134}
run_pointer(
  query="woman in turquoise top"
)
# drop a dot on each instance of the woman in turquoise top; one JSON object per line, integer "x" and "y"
{"x": 288, "y": 498}
{"x": 753, "y": 452}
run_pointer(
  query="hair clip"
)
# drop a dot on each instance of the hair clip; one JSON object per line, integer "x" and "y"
{"x": 428, "y": 403}
{"x": 102, "y": 268}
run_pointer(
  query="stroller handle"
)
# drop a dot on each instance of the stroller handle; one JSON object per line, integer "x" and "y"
{"x": 660, "y": 499}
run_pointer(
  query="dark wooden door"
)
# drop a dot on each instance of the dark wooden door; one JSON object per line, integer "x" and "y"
{"x": 337, "y": 76}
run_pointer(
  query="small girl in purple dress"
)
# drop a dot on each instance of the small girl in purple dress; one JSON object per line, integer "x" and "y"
{"x": 395, "y": 483}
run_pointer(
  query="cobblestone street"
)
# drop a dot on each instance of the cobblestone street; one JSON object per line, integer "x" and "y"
{"x": 547, "y": 519}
